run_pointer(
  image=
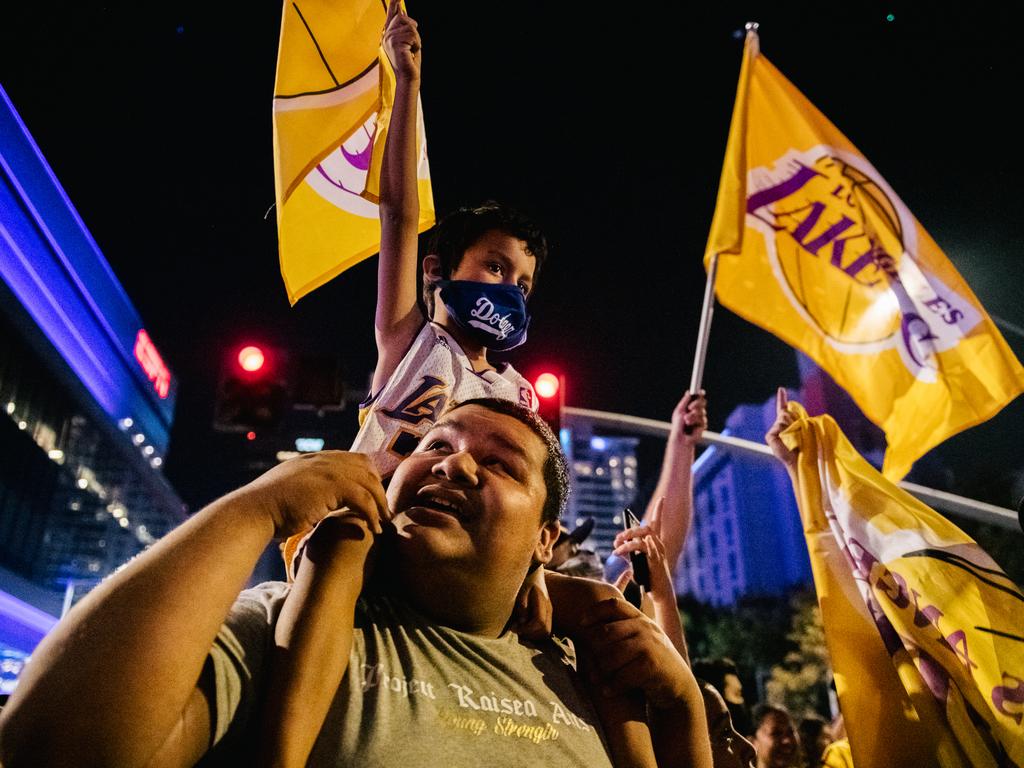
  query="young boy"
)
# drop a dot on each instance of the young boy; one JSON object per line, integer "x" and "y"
{"x": 482, "y": 266}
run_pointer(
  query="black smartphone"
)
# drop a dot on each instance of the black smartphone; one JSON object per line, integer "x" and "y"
{"x": 641, "y": 571}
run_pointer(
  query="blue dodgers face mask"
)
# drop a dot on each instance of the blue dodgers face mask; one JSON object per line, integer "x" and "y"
{"x": 492, "y": 315}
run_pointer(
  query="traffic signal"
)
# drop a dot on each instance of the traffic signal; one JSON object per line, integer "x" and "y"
{"x": 550, "y": 389}
{"x": 252, "y": 395}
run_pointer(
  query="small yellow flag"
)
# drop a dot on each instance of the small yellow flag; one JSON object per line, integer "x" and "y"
{"x": 815, "y": 247}
{"x": 332, "y": 101}
{"x": 924, "y": 630}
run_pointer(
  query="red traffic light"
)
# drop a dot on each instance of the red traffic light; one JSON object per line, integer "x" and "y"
{"x": 546, "y": 385}
{"x": 251, "y": 359}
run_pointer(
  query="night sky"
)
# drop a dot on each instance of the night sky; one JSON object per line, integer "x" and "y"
{"x": 607, "y": 126}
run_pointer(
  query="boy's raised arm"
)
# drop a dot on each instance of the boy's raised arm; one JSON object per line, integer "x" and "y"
{"x": 398, "y": 318}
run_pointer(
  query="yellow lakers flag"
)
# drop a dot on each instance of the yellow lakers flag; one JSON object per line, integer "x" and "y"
{"x": 331, "y": 106}
{"x": 925, "y": 632}
{"x": 815, "y": 247}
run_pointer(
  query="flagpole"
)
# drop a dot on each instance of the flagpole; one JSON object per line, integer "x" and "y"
{"x": 704, "y": 331}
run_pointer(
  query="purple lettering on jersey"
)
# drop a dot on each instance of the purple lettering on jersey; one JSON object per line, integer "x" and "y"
{"x": 425, "y": 403}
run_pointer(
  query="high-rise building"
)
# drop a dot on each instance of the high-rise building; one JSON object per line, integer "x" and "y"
{"x": 603, "y": 471}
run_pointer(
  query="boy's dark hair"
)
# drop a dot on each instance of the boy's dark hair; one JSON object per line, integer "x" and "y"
{"x": 556, "y": 471}
{"x": 460, "y": 229}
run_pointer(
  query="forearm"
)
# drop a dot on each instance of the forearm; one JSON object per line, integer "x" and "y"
{"x": 675, "y": 485}
{"x": 666, "y": 614}
{"x": 399, "y": 211}
{"x": 624, "y": 722}
{"x": 398, "y": 186}
{"x": 313, "y": 639}
{"x": 135, "y": 646}
{"x": 680, "y": 732}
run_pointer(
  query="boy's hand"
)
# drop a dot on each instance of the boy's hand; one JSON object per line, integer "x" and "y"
{"x": 630, "y": 652}
{"x": 690, "y": 418}
{"x": 300, "y": 492}
{"x": 402, "y": 43}
{"x": 531, "y": 617}
{"x": 783, "y": 418}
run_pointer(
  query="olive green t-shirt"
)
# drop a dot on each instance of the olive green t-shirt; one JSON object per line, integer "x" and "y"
{"x": 415, "y": 693}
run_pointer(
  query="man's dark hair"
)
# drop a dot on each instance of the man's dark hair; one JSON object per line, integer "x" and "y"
{"x": 556, "y": 471}
{"x": 460, "y": 229}
{"x": 714, "y": 671}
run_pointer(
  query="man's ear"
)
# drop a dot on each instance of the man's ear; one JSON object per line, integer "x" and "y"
{"x": 546, "y": 539}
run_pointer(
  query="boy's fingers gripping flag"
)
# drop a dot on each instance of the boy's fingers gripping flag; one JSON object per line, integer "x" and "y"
{"x": 924, "y": 630}
{"x": 815, "y": 247}
{"x": 332, "y": 100}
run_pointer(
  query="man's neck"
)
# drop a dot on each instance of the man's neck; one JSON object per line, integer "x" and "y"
{"x": 462, "y": 604}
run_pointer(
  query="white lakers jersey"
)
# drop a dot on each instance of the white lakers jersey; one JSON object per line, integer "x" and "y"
{"x": 434, "y": 375}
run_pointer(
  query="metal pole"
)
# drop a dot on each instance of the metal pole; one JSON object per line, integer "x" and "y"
{"x": 940, "y": 500}
{"x": 704, "y": 330}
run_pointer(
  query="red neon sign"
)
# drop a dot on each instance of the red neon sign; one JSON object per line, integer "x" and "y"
{"x": 152, "y": 364}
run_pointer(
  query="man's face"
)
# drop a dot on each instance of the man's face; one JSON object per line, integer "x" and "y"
{"x": 497, "y": 258}
{"x": 728, "y": 748}
{"x": 776, "y": 742}
{"x": 470, "y": 496}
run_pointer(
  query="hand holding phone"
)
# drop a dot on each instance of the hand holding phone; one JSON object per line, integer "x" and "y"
{"x": 638, "y": 560}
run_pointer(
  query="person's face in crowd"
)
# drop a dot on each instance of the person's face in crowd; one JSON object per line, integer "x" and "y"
{"x": 728, "y": 748}
{"x": 471, "y": 495}
{"x": 776, "y": 742}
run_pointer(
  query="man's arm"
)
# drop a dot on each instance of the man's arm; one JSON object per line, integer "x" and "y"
{"x": 398, "y": 318}
{"x": 115, "y": 683}
{"x": 675, "y": 483}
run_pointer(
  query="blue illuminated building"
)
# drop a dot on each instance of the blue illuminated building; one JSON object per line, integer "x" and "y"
{"x": 746, "y": 537}
{"x": 86, "y": 405}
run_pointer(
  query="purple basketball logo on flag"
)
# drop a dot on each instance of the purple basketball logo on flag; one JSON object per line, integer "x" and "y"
{"x": 841, "y": 246}
{"x": 340, "y": 177}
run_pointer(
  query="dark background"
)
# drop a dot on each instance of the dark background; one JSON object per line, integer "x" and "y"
{"x": 607, "y": 123}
